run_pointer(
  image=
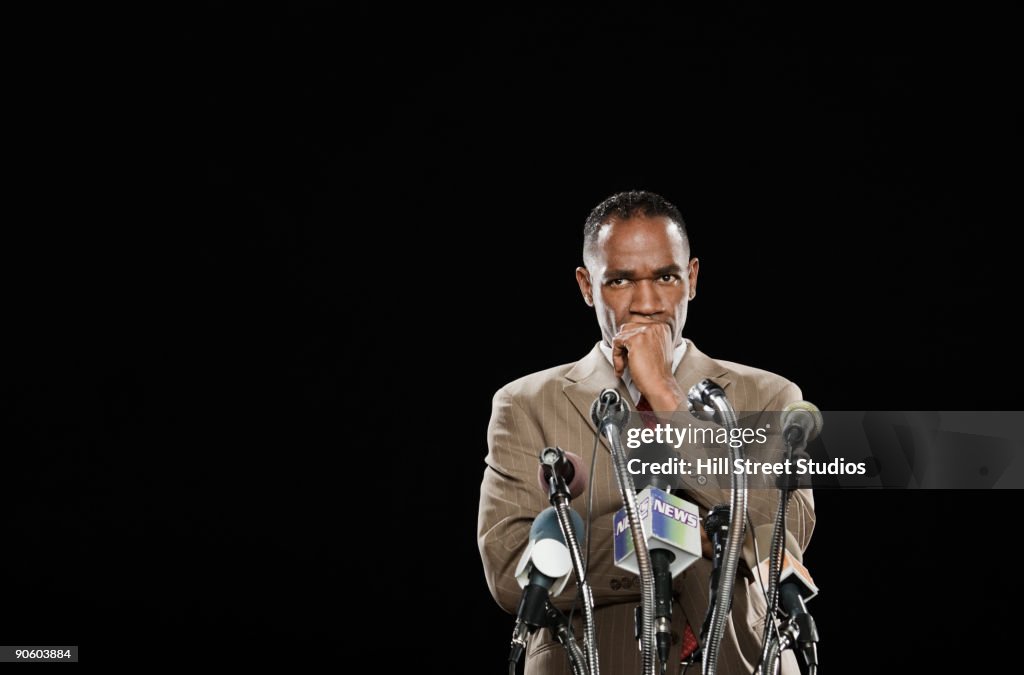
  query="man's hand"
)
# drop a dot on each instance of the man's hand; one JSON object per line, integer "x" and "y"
{"x": 646, "y": 348}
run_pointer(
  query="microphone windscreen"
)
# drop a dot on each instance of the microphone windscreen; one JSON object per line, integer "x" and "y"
{"x": 577, "y": 482}
{"x": 805, "y": 406}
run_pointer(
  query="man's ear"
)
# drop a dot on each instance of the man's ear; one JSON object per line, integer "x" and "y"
{"x": 586, "y": 288}
{"x": 694, "y": 268}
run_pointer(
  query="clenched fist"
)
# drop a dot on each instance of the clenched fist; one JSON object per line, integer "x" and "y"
{"x": 646, "y": 348}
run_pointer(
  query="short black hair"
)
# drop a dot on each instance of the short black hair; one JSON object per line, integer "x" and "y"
{"x": 626, "y": 205}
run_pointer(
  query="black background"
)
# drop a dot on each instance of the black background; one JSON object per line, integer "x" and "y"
{"x": 377, "y": 216}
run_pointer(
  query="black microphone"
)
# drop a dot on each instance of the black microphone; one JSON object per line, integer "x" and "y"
{"x": 661, "y": 559}
{"x": 792, "y": 602}
{"x": 609, "y": 409}
{"x": 542, "y": 571}
{"x": 661, "y": 562}
{"x": 561, "y": 472}
{"x": 801, "y": 422}
{"x": 717, "y": 526}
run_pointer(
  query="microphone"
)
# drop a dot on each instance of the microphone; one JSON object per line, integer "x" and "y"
{"x": 558, "y": 467}
{"x": 673, "y": 537}
{"x": 609, "y": 409}
{"x": 661, "y": 557}
{"x": 801, "y": 422}
{"x": 706, "y": 401}
{"x": 561, "y": 474}
{"x": 661, "y": 562}
{"x": 792, "y": 572}
{"x": 542, "y": 572}
{"x": 792, "y": 601}
{"x": 717, "y": 526}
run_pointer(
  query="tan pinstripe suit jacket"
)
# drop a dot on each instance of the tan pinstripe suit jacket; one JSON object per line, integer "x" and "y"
{"x": 552, "y": 408}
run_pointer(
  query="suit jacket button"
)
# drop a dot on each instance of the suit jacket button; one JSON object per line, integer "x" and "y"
{"x": 615, "y": 584}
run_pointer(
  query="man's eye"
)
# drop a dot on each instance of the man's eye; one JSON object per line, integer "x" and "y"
{"x": 618, "y": 282}
{"x": 669, "y": 278}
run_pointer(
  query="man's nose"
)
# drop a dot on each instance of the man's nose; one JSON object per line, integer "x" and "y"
{"x": 646, "y": 299}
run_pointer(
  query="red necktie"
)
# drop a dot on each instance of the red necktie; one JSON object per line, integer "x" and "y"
{"x": 650, "y": 419}
{"x": 646, "y": 414}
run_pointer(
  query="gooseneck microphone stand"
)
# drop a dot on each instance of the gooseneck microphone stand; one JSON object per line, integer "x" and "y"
{"x": 558, "y": 489}
{"x": 610, "y": 414}
{"x": 799, "y": 627}
{"x": 707, "y": 402}
{"x": 771, "y": 648}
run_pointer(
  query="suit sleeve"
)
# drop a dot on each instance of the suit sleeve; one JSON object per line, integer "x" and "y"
{"x": 763, "y": 504}
{"x": 510, "y": 498}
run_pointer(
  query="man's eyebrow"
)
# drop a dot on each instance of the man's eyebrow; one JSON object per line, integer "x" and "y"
{"x": 619, "y": 274}
{"x": 631, "y": 274}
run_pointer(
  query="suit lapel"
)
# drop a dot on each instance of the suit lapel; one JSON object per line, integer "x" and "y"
{"x": 696, "y": 366}
{"x": 588, "y": 378}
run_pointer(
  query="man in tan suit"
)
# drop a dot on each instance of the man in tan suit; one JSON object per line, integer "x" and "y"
{"x": 639, "y": 277}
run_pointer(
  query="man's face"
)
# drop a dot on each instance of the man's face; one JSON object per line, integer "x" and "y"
{"x": 640, "y": 271}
